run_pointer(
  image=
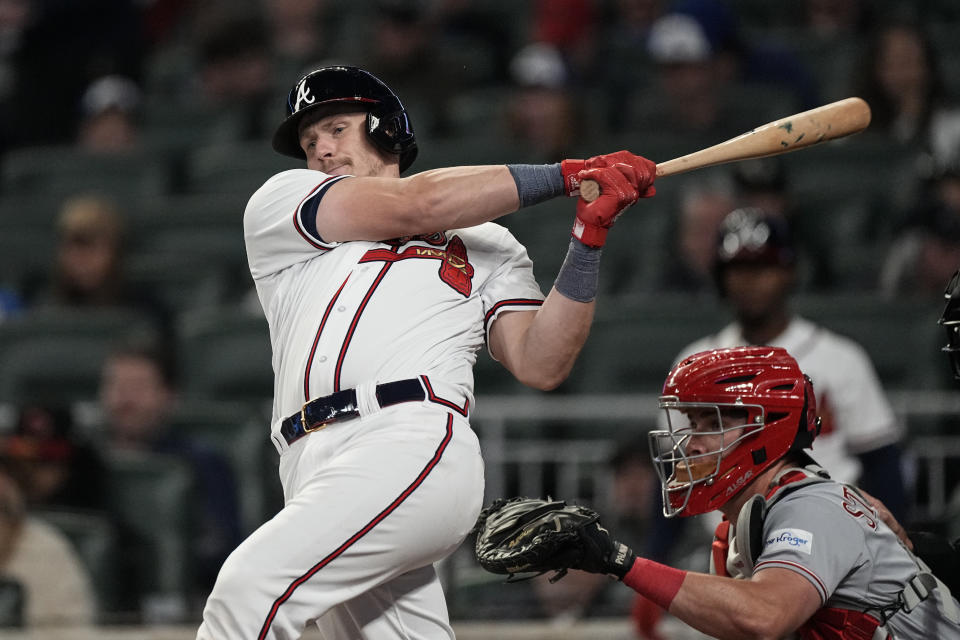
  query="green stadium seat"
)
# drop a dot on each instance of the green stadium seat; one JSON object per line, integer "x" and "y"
{"x": 225, "y": 354}
{"x": 66, "y": 170}
{"x": 239, "y": 431}
{"x": 55, "y": 355}
{"x": 153, "y": 496}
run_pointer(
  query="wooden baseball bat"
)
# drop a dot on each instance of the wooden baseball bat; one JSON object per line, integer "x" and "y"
{"x": 801, "y": 130}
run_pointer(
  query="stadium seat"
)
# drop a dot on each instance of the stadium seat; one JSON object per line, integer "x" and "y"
{"x": 239, "y": 431}
{"x": 55, "y": 355}
{"x": 65, "y": 170}
{"x": 234, "y": 168}
{"x": 901, "y": 336}
{"x": 634, "y": 341}
{"x": 154, "y": 499}
{"x": 225, "y": 354}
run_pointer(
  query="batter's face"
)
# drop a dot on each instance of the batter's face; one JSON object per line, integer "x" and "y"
{"x": 337, "y": 144}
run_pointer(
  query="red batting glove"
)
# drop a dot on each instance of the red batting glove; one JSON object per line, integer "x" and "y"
{"x": 595, "y": 218}
{"x": 570, "y": 169}
{"x": 644, "y": 171}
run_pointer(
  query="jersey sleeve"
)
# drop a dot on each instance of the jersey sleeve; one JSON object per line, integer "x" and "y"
{"x": 820, "y": 536}
{"x": 512, "y": 285}
{"x": 280, "y": 221}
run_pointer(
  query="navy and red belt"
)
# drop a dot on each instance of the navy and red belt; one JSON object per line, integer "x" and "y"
{"x": 342, "y": 405}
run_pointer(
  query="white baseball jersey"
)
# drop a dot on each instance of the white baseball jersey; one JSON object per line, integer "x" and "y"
{"x": 345, "y": 313}
{"x": 370, "y": 502}
{"x": 825, "y": 532}
{"x": 856, "y": 414}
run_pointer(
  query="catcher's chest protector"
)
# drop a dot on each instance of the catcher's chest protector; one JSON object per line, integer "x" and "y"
{"x": 735, "y": 551}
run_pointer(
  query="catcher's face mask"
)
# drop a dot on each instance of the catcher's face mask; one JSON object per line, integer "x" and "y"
{"x": 697, "y": 453}
{"x": 731, "y": 414}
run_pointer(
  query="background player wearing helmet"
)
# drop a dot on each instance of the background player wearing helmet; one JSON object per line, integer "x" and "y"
{"x": 809, "y": 555}
{"x": 755, "y": 269}
{"x": 378, "y": 292}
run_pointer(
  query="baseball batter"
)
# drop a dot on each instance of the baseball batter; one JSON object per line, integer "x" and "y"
{"x": 808, "y": 556}
{"x": 379, "y": 290}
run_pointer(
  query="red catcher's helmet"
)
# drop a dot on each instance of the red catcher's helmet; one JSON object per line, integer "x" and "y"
{"x": 388, "y": 124}
{"x": 761, "y": 406}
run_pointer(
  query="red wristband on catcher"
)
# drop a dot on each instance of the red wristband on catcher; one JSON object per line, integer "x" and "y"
{"x": 656, "y": 581}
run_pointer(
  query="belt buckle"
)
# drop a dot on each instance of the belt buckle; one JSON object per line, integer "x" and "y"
{"x": 303, "y": 421}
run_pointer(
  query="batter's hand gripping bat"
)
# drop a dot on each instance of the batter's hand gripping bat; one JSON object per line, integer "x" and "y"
{"x": 805, "y": 129}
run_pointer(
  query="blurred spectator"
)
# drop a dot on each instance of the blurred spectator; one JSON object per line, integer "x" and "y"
{"x": 110, "y": 110}
{"x": 10, "y": 303}
{"x": 901, "y": 80}
{"x": 927, "y": 250}
{"x": 235, "y": 74}
{"x": 703, "y": 205}
{"x": 88, "y": 270}
{"x": 756, "y": 272}
{"x": 41, "y": 565}
{"x": 627, "y": 69}
{"x": 403, "y": 49}
{"x": 763, "y": 183}
{"x": 299, "y": 33}
{"x": 764, "y": 63}
{"x": 690, "y": 94}
{"x": 837, "y": 18}
{"x": 542, "y": 113}
{"x": 571, "y": 26}
{"x": 138, "y": 397}
{"x": 60, "y": 49}
{"x": 54, "y": 467}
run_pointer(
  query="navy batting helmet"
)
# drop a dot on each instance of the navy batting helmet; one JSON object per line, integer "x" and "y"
{"x": 387, "y": 122}
{"x": 752, "y": 236}
{"x": 950, "y": 320}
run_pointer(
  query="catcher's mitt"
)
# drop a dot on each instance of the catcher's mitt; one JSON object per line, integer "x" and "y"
{"x": 532, "y": 536}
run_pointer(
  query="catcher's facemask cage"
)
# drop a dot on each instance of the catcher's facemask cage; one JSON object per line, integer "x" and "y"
{"x": 950, "y": 320}
{"x": 388, "y": 124}
{"x": 764, "y": 382}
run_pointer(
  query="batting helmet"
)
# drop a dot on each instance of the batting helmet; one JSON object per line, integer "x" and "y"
{"x": 731, "y": 413}
{"x": 388, "y": 124}
{"x": 950, "y": 320}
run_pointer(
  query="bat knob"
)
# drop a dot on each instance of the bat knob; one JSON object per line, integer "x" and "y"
{"x": 589, "y": 190}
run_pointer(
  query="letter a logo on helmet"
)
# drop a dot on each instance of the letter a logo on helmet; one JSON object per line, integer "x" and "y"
{"x": 303, "y": 95}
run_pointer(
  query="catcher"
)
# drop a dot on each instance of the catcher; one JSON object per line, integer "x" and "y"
{"x": 795, "y": 553}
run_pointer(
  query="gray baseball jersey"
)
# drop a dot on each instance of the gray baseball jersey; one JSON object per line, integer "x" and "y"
{"x": 829, "y": 535}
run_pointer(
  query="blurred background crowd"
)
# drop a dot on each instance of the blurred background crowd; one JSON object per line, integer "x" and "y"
{"x": 135, "y": 377}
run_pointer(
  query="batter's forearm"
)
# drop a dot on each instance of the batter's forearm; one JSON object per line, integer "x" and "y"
{"x": 458, "y": 197}
{"x": 554, "y": 340}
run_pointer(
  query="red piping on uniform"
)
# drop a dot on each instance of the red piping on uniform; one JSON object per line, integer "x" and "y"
{"x": 316, "y": 340}
{"x": 511, "y": 302}
{"x": 438, "y": 454}
{"x": 447, "y": 403}
{"x": 353, "y": 325}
